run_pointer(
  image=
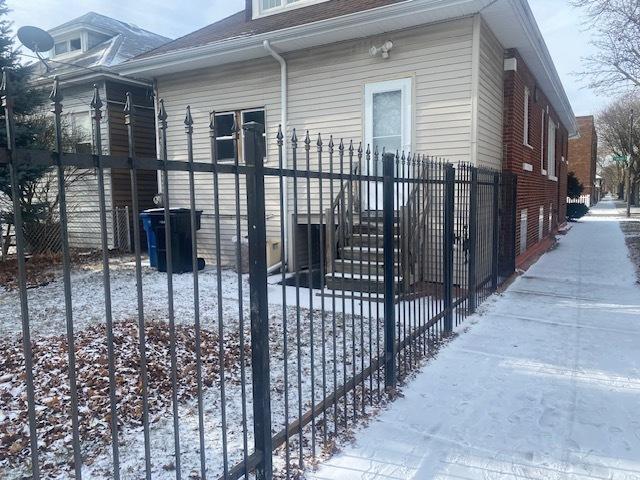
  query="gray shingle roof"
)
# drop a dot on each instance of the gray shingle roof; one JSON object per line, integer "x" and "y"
{"x": 128, "y": 41}
{"x": 238, "y": 25}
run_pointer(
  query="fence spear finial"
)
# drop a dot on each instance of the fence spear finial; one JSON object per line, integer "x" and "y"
{"x": 56, "y": 94}
{"x": 96, "y": 101}
{"x": 4, "y": 86}
{"x": 351, "y": 147}
{"x": 319, "y": 142}
{"x": 294, "y": 138}
{"x": 331, "y": 144}
{"x": 360, "y": 150}
{"x": 280, "y": 136}
{"x": 188, "y": 120}
{"x": 162, "y": 113}
{"x": 307, "y": 141}
{"x": 341, "y": 146}
{"x": 129, "y": 108}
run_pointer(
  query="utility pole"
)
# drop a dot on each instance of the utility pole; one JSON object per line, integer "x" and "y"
{"x": 629, "y": 160}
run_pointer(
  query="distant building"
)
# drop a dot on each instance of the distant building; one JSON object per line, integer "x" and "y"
{"x": 85, "y": 51}
{"x": 583, "y": 155}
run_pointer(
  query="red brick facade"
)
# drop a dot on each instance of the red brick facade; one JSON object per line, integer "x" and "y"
{"x": 540, "y": 195}
{"x": 583, "y": 154}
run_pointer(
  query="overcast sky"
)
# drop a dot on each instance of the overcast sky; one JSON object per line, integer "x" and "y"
{"x": 560, "y": 24}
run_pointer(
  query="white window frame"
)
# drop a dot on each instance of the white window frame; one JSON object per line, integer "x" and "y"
{"x": 542, "y": 146}
{"x": 67, "y": 42}
{"x": 405, "y": 85}
{"x": 552, "y": 138}
{"x": 285, "y": 5}
{"x": 526, "y": 119}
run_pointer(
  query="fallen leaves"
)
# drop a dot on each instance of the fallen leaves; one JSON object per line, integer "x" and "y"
{"x": 52, "y": 386}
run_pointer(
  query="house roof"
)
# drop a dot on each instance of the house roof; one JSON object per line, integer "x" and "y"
{"x": 237, "y": 39}
{"x": 238, "y": 25}
{"x": 126, "y": 41}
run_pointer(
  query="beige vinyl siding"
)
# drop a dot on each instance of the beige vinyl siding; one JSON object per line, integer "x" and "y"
{"x": 326, "y": 95}
{"x": 490, "y": 100}
{"x": 248, "y": 85}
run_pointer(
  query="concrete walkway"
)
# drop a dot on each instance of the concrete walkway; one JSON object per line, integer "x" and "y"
{"x": 545, "y": 384}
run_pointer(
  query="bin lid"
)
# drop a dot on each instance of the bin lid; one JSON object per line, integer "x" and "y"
{"x": 172, "y": 211}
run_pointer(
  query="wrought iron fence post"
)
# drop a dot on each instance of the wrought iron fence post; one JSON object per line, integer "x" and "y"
{"x": 390, "y": 378}
{"x": 56, "y": 104}
{"x": 18, "y": 225}
{"x": 447, "y": 253}
{"x": 96, "y": 114}
{"x": 129, "y": 121}
{"x": 473, "y": 233}
{"x": 496, "y": 232}
{"x": 258, "y": 299}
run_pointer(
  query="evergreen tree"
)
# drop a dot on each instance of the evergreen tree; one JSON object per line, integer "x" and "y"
{"x": 574, "y": 187}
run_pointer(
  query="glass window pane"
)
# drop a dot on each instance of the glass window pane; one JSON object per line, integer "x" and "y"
{"x": 390, "y": 144}
{"x": 224, "y": 125}
{"x": 387, "y": 114}
{"x": 75, "y": 44}
{"x": 61, "y": 47}
{"x": 266, "y": 4}
{"x": 224, "y": 150}
{"x": 257, "y": 116}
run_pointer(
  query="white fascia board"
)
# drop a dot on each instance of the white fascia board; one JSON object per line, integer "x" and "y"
{"x": 355, "y": 25}
{"x": 74, "y": 78}
{"x": 501, "y": 16}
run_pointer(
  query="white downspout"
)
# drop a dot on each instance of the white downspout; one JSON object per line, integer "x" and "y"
{"x": 283, "y": 121}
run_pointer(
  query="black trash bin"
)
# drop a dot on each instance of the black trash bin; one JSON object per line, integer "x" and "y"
{"x": 180, "y": 219}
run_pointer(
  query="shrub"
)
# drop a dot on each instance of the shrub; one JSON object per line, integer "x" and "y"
{"x": 576, "y": 211}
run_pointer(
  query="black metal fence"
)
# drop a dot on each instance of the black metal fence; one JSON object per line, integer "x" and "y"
{"x": 383, "y": 255}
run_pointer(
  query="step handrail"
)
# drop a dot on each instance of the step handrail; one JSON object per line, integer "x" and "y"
{"x": 346, "y": 204}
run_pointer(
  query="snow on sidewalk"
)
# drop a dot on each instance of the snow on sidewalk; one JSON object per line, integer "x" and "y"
{"x": 545, "y": 384}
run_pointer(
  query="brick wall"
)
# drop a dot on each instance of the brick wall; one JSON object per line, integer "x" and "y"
{"x": 583, "y": 153}
{"x": 529, "y": 162}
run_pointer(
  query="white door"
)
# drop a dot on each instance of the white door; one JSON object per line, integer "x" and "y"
{"x": 388, "y": 125}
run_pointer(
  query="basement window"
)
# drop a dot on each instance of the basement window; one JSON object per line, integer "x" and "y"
{"x": 541, "y": 224}
{"x": 523, "y": 230}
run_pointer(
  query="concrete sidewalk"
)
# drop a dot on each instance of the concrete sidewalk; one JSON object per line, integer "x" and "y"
{"x": 545, "y": 384}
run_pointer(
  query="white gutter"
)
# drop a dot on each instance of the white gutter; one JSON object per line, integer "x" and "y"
{"x": 283, "y": 123}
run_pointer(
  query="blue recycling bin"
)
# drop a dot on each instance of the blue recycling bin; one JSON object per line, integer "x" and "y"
{"x": 150, "y": 221}
{"x": 153, "y": 222}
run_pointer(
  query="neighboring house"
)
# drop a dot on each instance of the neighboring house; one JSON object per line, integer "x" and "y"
{"x": 583, "y": 157}
{"x": 85, "y": 52}
{"x": 457, "y": 75}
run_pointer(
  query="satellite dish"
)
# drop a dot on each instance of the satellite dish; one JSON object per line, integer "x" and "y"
{"x": 36, "y": 40}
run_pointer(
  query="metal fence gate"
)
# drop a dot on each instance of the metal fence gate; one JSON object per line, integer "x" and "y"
{"x": 382, "y": 266}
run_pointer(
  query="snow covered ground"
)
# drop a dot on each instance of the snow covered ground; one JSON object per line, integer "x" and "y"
{"x": 354, "y": 344}
{"x": 544, "y": 385}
